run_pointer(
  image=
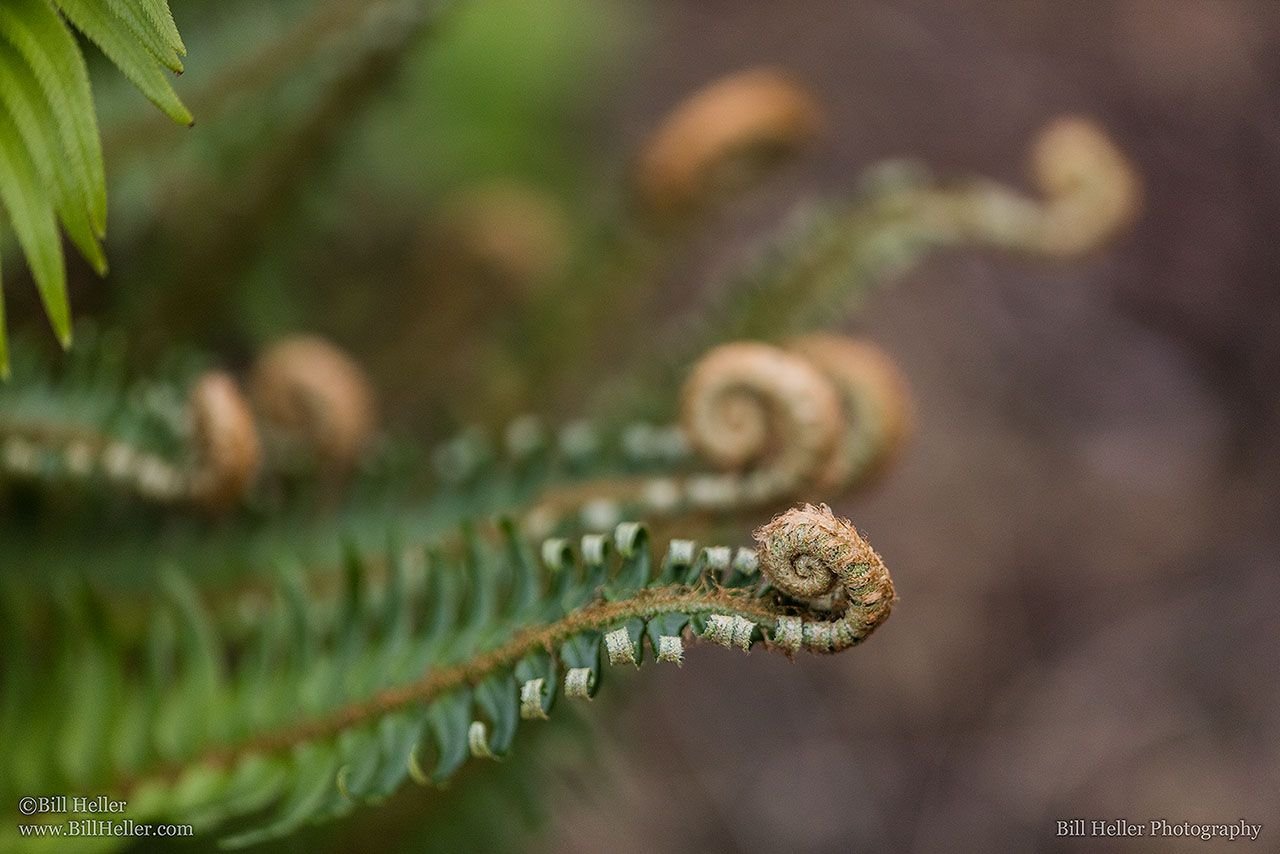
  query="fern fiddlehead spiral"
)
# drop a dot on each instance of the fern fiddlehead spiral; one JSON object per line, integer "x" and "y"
{"x": 809, "y": 553}
{"x": 314, "y": 400}
{"x": 821, "y": 413}
{"x": 226, "y": 440}
{"x": 1091, "y": 190}
{"x": 748, "y": 402}
{"x": 217, "y": 458}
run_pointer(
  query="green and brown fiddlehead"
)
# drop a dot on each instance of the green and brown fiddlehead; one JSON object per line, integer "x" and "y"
{"x": 207, "y": 456}
{"x": 828, "y": 257}
{"x": 748, "y": 403}
{"x": 810, "y": 554}
{"x": 323, "y": 705}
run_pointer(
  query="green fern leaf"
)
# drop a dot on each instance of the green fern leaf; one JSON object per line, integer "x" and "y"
{"x": 52, "y": 154}
{"x": 147, "y": 31}
{"x": 20, "y": 94}
{"x": 31, "y": 212}
{"x": 120, "y": 43}
{"x": 157, "y": 12}
{"x": 35, "y": 29}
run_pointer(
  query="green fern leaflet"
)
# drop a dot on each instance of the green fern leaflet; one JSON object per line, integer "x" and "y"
{"x": 51, "y": 169}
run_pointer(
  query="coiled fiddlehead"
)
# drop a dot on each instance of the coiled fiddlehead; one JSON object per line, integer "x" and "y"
{"x": 226, "y": 442}
{"x": 748, "y": 403}
{"x": 1091, "y": 190}
{"x": 828, "y": 257}
{"x": 875, "y": 400}
{"x": 722, "y": 137}
{"x": 809, "y": 553}
{"x": 315, "y": 401}
{"x": 204, "y": 452}
{"x": 822, "y": 415}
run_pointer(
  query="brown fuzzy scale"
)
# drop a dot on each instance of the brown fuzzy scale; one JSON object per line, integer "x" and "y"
{"x": 722, "y": 137}
{"x": 313, "y": 396}
{"x": 810, "y": 553}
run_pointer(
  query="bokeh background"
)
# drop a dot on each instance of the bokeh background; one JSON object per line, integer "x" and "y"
{"x": 1083, "y": 531}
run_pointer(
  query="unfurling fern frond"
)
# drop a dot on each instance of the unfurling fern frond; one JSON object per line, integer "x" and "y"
{"x": 330, "y": 704}
{"x": 51, "y": 167}
{"x": 759, "y": 426}
{"x": 830, "y": 256}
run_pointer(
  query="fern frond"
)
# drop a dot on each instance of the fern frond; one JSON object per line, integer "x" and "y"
{"x": 51, "y": 166}
{"x": 324, "y": 708}
{"x": 829, "y": 257}
{"x": 760, "y": 425}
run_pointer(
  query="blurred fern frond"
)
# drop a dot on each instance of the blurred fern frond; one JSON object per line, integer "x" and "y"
{"x": 51, "y": 168}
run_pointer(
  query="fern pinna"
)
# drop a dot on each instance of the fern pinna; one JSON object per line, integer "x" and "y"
{"x": 329, "y": 704}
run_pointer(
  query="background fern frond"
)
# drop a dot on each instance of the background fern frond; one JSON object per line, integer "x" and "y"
{"x": 51, "y": 166}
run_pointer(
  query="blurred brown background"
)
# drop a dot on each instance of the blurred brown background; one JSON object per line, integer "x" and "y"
{"x": 1083, "y": 533}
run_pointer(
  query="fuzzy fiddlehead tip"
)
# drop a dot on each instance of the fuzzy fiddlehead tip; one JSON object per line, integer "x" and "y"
{"x": 808, "y": 553}
{"x": 724, "y": 137}
{"x": 1092, "y": 191}
{"x": 226, "y": 441}
{"x": 752, "y": 405}
{"x": 315, "y": 401}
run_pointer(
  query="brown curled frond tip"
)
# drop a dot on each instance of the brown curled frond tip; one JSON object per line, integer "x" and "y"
{"x": 1092, "y": 190}
{"x": 228, "y": 453}
{"x": 808, "y": 553}
{"x": 314, "y": 398}
{"x": 748, "y": 405}
{"x": 824, "y": 413}
{"x": 723, "y": 138}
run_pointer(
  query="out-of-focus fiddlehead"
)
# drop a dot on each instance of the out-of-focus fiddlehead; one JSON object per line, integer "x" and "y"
{"x": 876, "y": 402}
{"x": 315, "y": 403}
{"x": 819, "y": 416}
{"x": 745, "y": 403}
{"x": 1091, "y": 189}
{"x": 204, "y": 452}
{"x": 722, "y": 138}
{"x": 829, "y": 257}
{"x": 718, "y": 142}
{"x": 226, "y": 438}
